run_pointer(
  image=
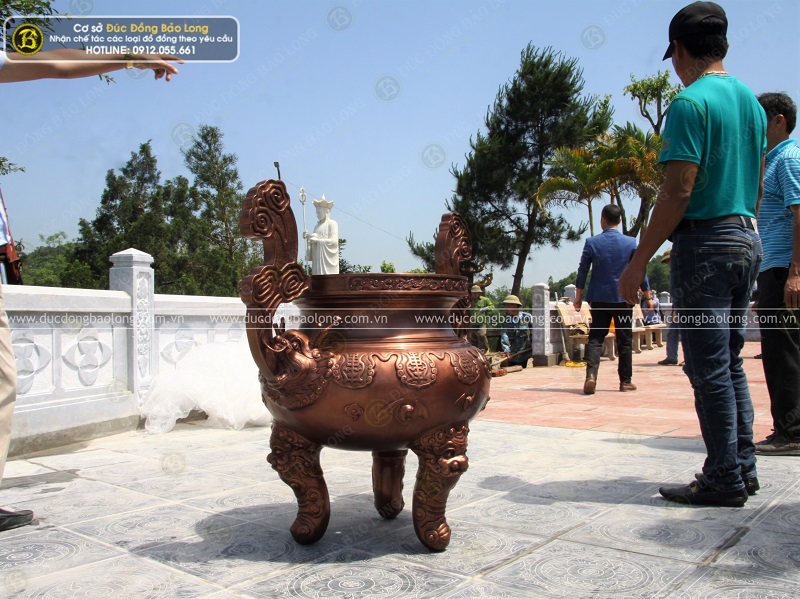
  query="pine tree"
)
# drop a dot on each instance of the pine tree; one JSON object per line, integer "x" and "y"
{"x": 538, "y": 110}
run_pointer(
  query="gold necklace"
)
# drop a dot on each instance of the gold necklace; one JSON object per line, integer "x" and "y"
{"x": 713, "y": 73}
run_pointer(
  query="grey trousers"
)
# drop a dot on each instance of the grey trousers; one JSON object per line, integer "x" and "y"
{"x": 8, "y": 385}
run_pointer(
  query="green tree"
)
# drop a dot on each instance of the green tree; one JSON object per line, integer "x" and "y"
{"x": 227, "y": 256}
{"x": 424, "y": 250}
{"x": 7, "y": 167}
{"x": 387, "y": 267}
{"x": 579, "y": 176}
{"x": 637, "y": 171}
{"x": 53, "y": 264}
{"x": 191, "y": 230}
{"x": 498, "y": 294}
{"x": 130, "y": 215}
{"x": 653, "y": 95}
{"x": 536, "y": 112}
{"x": 658, "y": 274}
{"x": 640, "y": 172}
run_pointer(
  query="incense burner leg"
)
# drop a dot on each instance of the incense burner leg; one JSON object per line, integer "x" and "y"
{"x": 388, "y": 468}
{"x": 296, "y": 460}
{"x": 442, "y": 460}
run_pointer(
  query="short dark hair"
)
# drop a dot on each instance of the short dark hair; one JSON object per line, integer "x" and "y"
{"x": 711, "y": 43}
{"x": 612, "y": 213}
{"x": 775, "y": 103}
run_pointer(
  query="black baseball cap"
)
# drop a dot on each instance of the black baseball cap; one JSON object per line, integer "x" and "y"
{"x": 691, "y": 19}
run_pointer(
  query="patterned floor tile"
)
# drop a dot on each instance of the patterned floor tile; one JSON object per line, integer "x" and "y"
{"x": 162, "y": 524}
{"x": 22, "y": 468}
{"x": 221, "y": 459}
{"x": 780, "y": 517}
{"x": 536, "y": 516}
{"x": 88, "y": 458}
{"x": 346, "y": 481}
{"x": 184, "y": 483}
{"x": 583, "y": 485}
{"x": 722, "y": 583}
{"x": 473, "y": 548}
{"x": 19, "y": 489}
{"x": 49, "y": 551}
{"x": 355, "y": 575}
{"x": 85, "y": 500}
{"x": 255, "y": 469}
{"x": 253, "y": 502}
{"x": 225, "y": 595}
{"x": 138, "y": 468}
{"x": 541, "y": 512}
{"x": 118, "y": 578}
{"x": 231, "y": 555}
{"x": 640, "y": 531}
{"x": 483, "y": 590}
{"x": 766, "y": 553}
{"x": 563, "y": 569}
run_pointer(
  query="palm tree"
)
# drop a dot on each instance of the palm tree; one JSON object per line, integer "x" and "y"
{"x": 578, "y": 176}
{"x": 636, "y": 169}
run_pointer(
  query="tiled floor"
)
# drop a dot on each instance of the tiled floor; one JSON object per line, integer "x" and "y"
{"x": 541, "y": 512}
{"x": 663, "y": 404}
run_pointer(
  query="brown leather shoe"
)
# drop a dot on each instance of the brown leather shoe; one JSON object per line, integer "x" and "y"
{"x": 590, "y": 384}
{"x": 627, "y": 387}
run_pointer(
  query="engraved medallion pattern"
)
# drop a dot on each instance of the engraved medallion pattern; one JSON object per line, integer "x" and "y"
{"x": 353, "y": 370}
{"x": 467, "y": 365}
{"x": 415, "y": 369}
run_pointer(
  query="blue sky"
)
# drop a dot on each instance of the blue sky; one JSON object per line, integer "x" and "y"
{"x": 369, "y": 102}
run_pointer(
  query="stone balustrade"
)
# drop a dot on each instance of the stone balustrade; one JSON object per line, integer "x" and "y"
{"x": 86, "y": 359}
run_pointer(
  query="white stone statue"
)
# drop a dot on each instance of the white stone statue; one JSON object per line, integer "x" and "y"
{"x": 322, "y": 246}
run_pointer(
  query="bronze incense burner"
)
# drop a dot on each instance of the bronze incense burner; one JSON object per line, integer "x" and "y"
{"x": 380, "y": 362}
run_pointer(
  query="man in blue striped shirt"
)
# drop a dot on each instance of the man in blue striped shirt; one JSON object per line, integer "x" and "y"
{"x": 779, "y": 278}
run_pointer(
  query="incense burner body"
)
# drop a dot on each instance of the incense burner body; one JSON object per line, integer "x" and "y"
{"x": 379, "y": 362}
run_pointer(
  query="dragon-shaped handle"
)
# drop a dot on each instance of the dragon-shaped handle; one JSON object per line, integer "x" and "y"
{"x": 267, "y": 216}
{"x": 451, "y": 249}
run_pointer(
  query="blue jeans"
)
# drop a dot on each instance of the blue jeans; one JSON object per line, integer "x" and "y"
{"x": 713, "y": 270}
{"x": 673, "y": 339}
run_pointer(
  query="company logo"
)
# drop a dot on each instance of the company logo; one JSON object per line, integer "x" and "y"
{"x": 81, "y": 7}
{"x": 593, "y": 37}
{"x": 182, "y": 135}
{"x": 27, "y": 39}
{"x": 433, "y": 156}
{"x": 339, "y": 18}
{"x": 387, "y": 88}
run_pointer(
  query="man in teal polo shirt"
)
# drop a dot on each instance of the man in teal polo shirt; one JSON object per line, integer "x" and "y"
{"x": 713, "y": 147}
{"x": 779, "y": 279}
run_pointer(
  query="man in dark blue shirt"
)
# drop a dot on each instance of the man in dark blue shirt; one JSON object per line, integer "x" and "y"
{"x": 607, "y": 255}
